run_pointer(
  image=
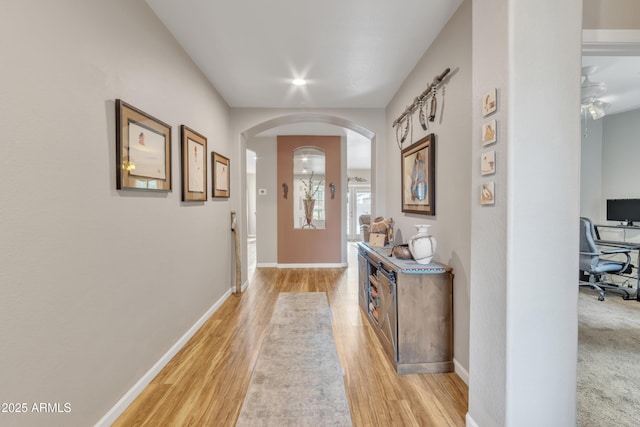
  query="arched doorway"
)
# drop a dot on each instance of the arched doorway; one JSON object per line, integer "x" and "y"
{"x": 262, "y": 135}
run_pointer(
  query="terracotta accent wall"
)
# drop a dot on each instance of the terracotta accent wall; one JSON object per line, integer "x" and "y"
{"x": 309, "y": 246}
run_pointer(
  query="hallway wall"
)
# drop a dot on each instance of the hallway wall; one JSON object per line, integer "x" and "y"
{"x": 591, "y": 171}
{"x": 620, "y": 152}
{"x": 451, "y": 225}
{"x": 97, "y": 284}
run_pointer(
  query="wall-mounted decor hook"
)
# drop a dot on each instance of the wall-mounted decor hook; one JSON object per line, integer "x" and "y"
{"x": 285, "y": 190}
{"x": 332, "y": 188}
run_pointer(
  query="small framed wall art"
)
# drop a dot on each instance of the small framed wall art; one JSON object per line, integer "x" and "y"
{"x": 220, "y": 177}
{"x": 489, "y": 102}
{"x": 194, "y": 165}
{"x": 488, "y": 193}
{"x": 418, "y": 176}
{"x": 489, "y": 132}
{"x": 488, "y": 163}
{"x": 143, "y": 150}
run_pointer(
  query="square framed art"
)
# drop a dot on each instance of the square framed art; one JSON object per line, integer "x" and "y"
{"x": 489, "y": 102}
{"x": 488, "y": 193}
{"x": 489, "y": 132}
{"x": 488, "y": 163}
{"x": 143, "y": 150}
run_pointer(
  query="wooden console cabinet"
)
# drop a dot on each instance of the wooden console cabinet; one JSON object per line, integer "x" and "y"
{"x": 410, "y": 306}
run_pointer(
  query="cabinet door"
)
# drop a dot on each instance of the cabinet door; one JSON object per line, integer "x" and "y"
{"x": 363, "y": 281}
{"x": 387, "y": 317}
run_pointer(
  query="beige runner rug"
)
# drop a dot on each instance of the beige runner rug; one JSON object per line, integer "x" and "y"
{"x": 297, "y": 379}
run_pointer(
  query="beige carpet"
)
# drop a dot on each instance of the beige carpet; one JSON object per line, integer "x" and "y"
{"x": 608, "y": 361}
{"x": 297, "y": 379}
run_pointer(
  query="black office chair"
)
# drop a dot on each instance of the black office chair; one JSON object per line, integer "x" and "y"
{"x": 596, "y": 267}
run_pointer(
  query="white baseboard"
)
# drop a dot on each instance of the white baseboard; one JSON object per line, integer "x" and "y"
{"x": 276, "y": 265}
{"x": 470, "y": 421}
{"x": 126, "y": 400}
{"x": 267, "y": 264}
{"x": 462, "y": 373}
{"x": 319, "y": 265}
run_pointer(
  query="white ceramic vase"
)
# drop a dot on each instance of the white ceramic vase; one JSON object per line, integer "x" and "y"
{"x": 423, "y": 245}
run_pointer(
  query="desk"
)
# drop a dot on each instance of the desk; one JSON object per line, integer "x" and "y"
{"x": 617, "y": 244}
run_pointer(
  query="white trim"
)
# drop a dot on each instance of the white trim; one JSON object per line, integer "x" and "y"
{"x": 470, "y": 421}
{"x": 126, "y": 400}
{"x": 610, "y": 42}
{"x": 319, "y": 265}
{"x": 462, "y": 373}
{"x": 266, "y": 264}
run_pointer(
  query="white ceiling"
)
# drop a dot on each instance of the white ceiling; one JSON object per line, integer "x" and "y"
{"x": 353, "y": 53}
{"x": 621, "y": 74}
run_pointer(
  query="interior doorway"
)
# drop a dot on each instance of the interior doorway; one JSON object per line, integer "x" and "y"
{"x": 261, "y": 138}
{"x": 358, "y": 204}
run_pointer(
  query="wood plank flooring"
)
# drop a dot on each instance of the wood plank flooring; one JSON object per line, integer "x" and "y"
{"x": 205, "y": 383}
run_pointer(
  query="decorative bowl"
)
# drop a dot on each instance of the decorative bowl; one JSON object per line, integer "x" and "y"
{"x": 401, "y": 252}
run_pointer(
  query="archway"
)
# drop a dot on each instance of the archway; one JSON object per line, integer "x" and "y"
{"x": 313, "y": 120}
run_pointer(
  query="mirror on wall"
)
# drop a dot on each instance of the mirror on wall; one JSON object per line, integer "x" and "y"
{"x": 309, "y": 188}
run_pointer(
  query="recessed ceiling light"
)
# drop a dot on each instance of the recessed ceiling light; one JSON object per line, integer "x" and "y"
{"x": 299, "y": 82}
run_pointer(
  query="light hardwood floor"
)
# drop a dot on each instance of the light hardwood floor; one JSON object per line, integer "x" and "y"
{"x": 205, "y": 383}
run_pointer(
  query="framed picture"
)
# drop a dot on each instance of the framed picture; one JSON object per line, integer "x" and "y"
{"x": 489, "y": 132}
{"x": 220, "y": 175}
{"x": 489, "y": 102}
{"x": 488, "y": 193}
{"x": 143, "y": 150}
{"x": 194, "y": 165}
{"x": 488, "y": 163}
{"x": 418, "y": 176}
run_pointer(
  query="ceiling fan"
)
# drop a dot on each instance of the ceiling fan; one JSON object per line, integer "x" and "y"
{"x": 591, "y": 92}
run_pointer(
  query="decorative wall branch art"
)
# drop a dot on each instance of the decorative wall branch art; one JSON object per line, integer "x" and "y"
{"x": 489, "y": 102}
{"x": 434, "y": 103}
{"x": 489, "y": 132}
{"x": 421, "y": 115}
{"x": 419, "y": 103}
{"x": 143, "y": 150}
{"x": 488, "y": 163}
{"x": 220, "y": 177}
{"x": 194, "y": 165}
{"x": 487, "y": 193}
{"x": 418, "y": 177}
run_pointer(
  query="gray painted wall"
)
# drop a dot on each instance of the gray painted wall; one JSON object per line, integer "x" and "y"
{"x": 608, "y": 170}
{"x": 611, "y": 173}
{"x": 620, "y": 152}
{"x": 96, "y": 284}
{"x": 591, "y": 202}
{"x": 451, "y": 224}
{"x": 523, "y": 318}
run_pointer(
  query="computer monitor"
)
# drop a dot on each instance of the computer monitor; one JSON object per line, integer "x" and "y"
{"x": 626, "y": 210}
